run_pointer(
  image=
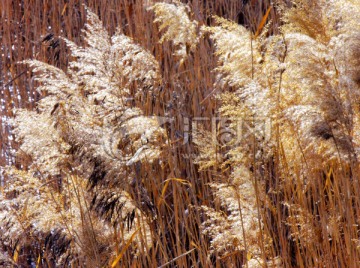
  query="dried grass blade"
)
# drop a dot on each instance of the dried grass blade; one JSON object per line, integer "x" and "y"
{"x": 262, "y": 22}
{"x": 118, "y": 258}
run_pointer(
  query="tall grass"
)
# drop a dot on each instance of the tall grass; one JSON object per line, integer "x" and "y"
{"x": 288, "y": 200}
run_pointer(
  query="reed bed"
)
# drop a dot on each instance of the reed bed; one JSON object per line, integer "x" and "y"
{"x": 120, "y": 133}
